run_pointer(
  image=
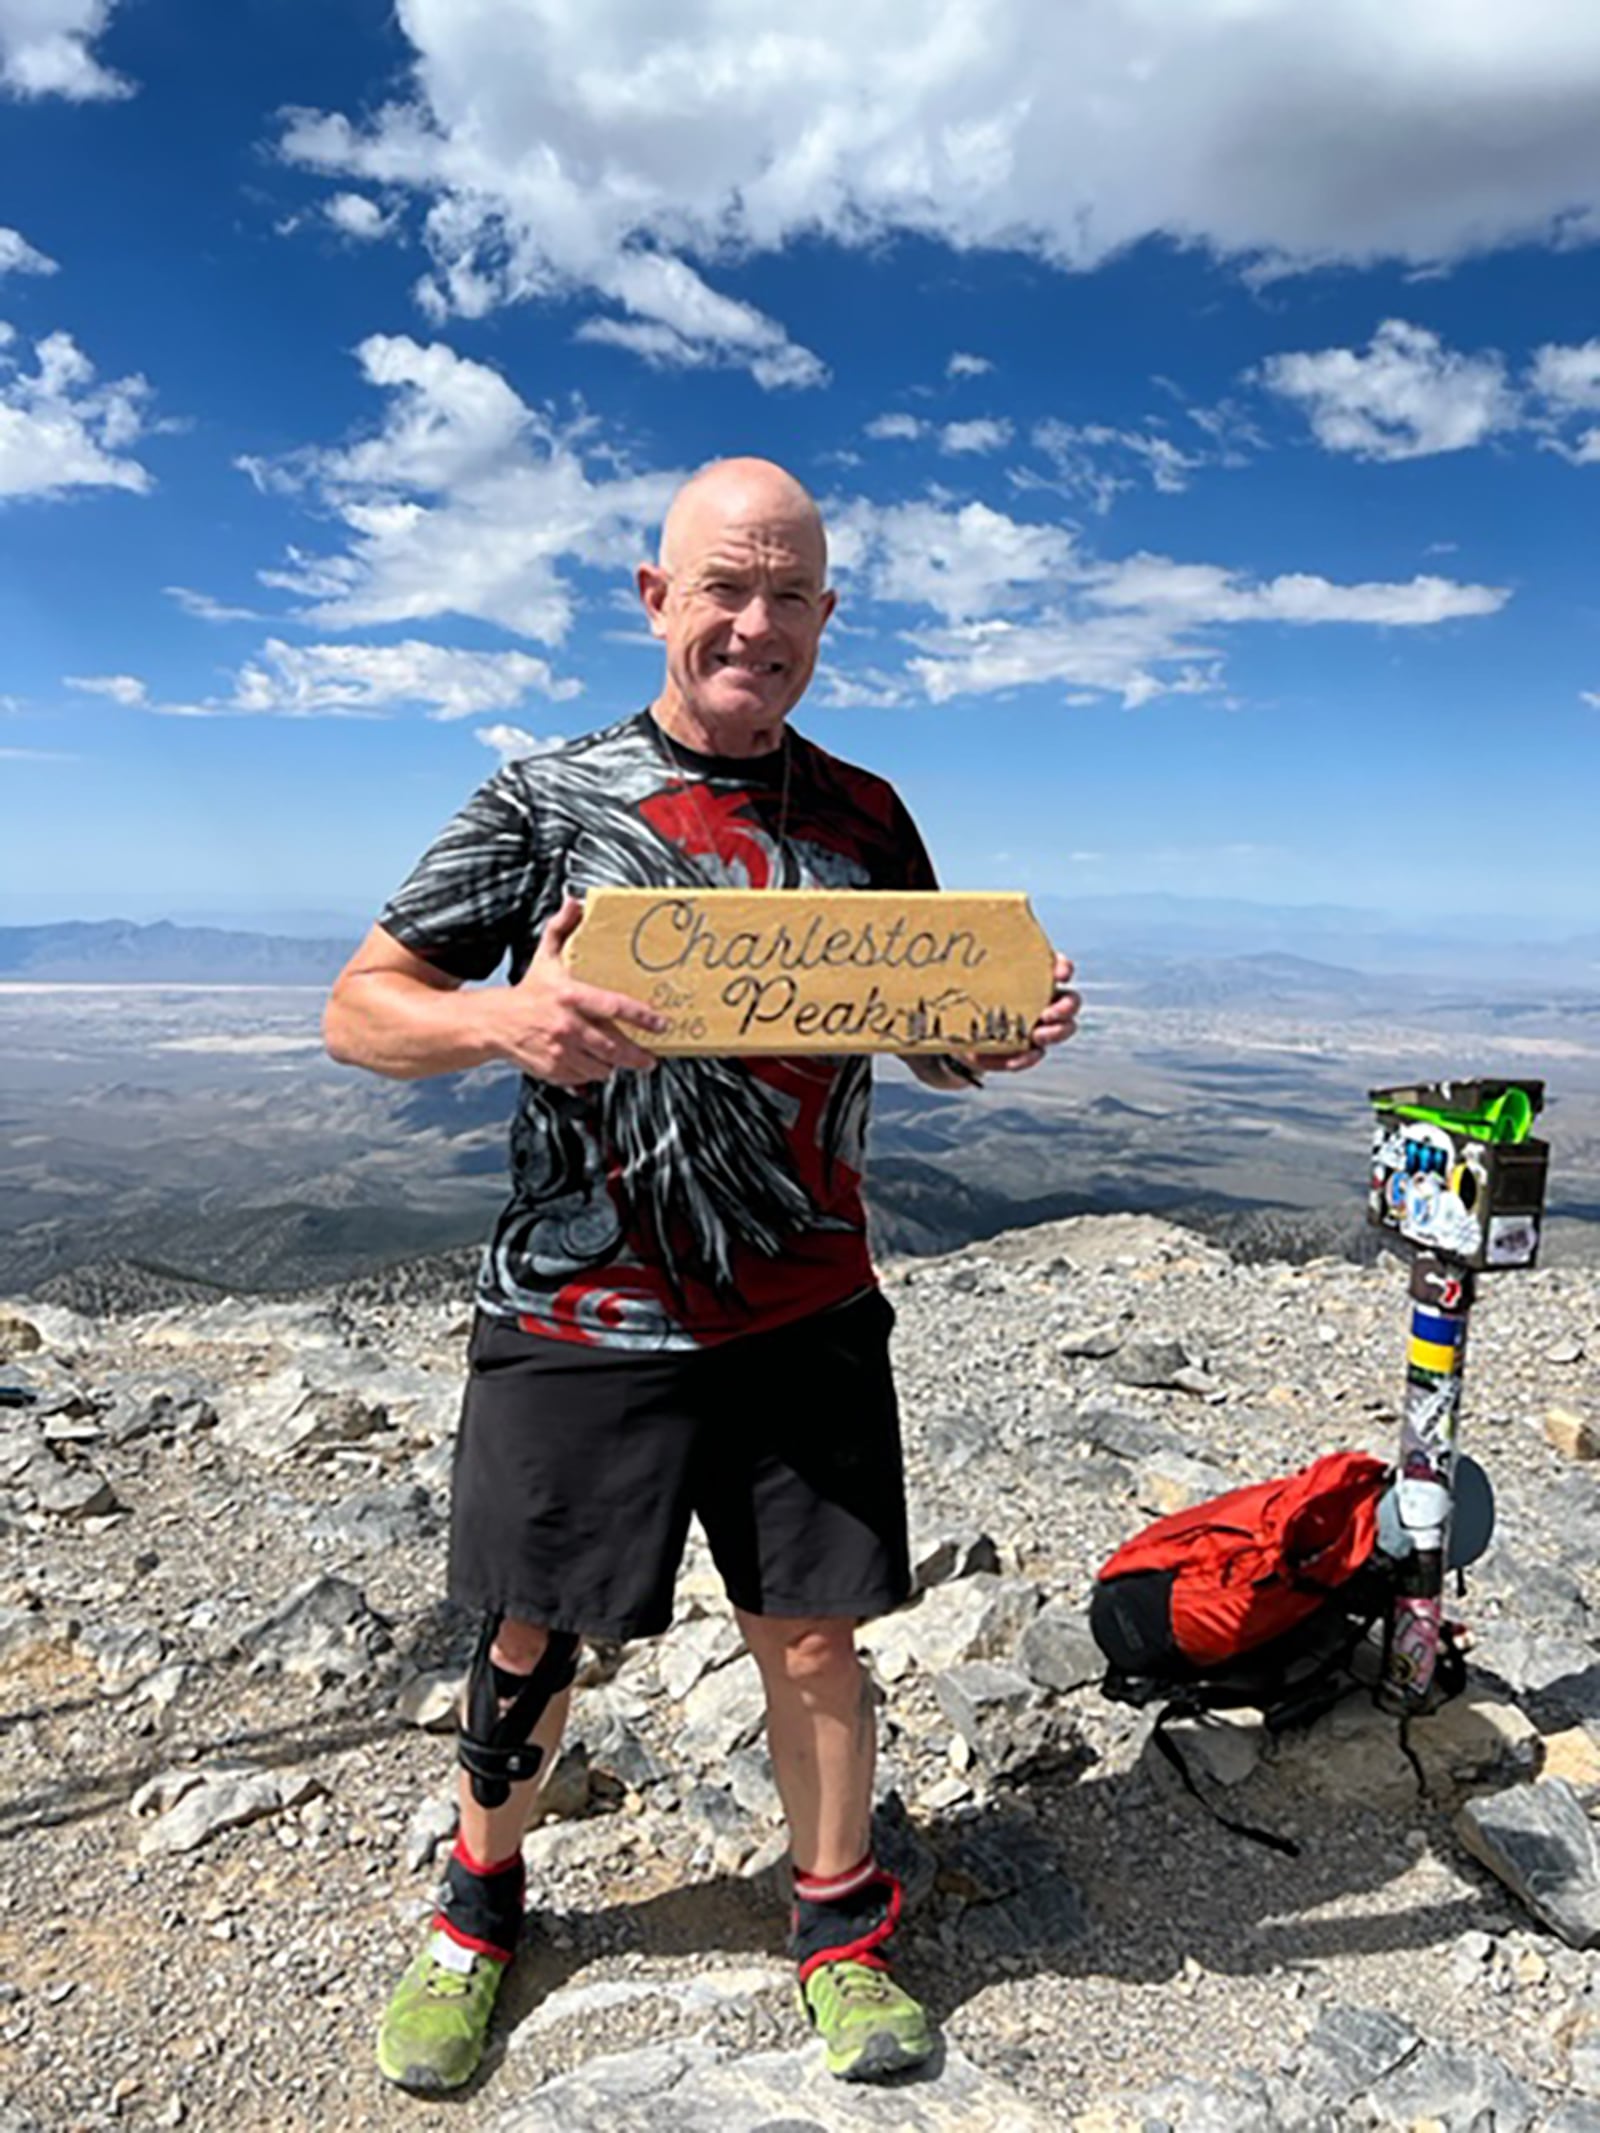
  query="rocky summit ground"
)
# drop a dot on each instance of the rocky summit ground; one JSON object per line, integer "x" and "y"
{"x": 221, "y": 1654}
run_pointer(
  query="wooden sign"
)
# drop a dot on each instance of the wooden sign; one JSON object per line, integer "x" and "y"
{"x": 820, "y": 970}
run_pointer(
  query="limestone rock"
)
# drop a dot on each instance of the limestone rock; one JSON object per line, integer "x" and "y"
{"x": 936, "y": 1558}
{"x": 21, "y": 1443}
{"x": 684, "y": 2085}
{"x": 1464, "y": 2091}
{"x": 324, "y": 1630}
{"x": 431, "y": 1699}
{"x": 18, "y": 1335}
{"x": 1574, "y": 1435}
{"x": 1057, "y": 1650}
{"x": 1174, "y": 1481}
{"x": 1351, "y": 2049}
{"x": 1091, "y": 1341}
{"x": 1540, "y": 1843}
{"x": 1224, "y": 1746}
{"x": 1155, "y": 1364}
{"x": 694, "y": 1649}
{"x": 124, "y": 1653}
{"x": 980, "y": 1617}
{"x": 1109, "y": 1429}
{"x": 69, "y": 1492}
{"x": 379, "y": 1519}
{"x": 1573, "y": 1754}
{"x": 979, "y": 1698}
{"x": 137, "y": 1403}
{"x": 1474, "y": 1737}
{"x": 290, "y": 1413}
{"x": 609, "y": 1721}
{"x": 22, "y": 1631}
{"x": 722, "y": 1712}
{"x": 226, "y": 1796}
{"x": 433, "y": 1824}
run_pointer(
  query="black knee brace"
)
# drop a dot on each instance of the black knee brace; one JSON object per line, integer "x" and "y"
{"x": 493, "y": 1745}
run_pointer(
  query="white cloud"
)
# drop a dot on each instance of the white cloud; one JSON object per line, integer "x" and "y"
{"x": 1405, "y": 397}
{"x": 1198, "y": 593}
{"x": 887, "y": 429}
{"x": 354, "y": 215}
{"x": 740, "y": 335}
{"x": 1569, "y": 378}
{"x": 1093, "y": 460}
{"x": 17, "y": 256}
{"x": 590, "y": 152}
{"x": 59, "y": 430}
{"x": 203, "y": 608}
{"x": 369, "y": 680}
{"x": 1022, "y": 605}
{"x": 862, "y": 689}
{"x": 466, "y": 501}
{"x": 512, "y": 743}
{"x": 355, "y": 681}
{"x": 1591, "y": 697}
{"x": 960, "y": 562}
{"x": 44, "y": 50}
{"x": 963, "y": 365}
{"x": 124, "y": 689}
{"x": 1132, "y": 656}
{"x": 985, "y": 433}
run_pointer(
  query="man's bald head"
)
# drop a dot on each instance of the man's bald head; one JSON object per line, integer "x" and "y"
{"x": 740, "y": 599}
{"x": 740, "y": 491}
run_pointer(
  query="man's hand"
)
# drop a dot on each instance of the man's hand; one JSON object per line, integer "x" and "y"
{"x": 561, "y": 1030}
{"x": 1058, "y": 1022}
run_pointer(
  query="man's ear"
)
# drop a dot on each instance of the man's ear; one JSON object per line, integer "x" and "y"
{"x": 829, "y": 601}
{"x": 653, "y": 582}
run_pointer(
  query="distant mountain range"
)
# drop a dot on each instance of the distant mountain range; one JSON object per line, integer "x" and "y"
{"x": 1471, "y": 944}
{"x": 1277, "y": 951}
{"x": 115, "y": 951}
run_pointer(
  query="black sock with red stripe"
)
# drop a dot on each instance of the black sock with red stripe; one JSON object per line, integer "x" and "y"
{"x": 480, "y": 1907}
{"x": 844, "y": 1917}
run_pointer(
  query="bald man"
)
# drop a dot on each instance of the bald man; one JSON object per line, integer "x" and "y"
{"x": 676, "y": 1314}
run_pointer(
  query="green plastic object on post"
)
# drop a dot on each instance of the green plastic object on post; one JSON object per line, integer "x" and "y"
{"x": 1507, "y": 1117}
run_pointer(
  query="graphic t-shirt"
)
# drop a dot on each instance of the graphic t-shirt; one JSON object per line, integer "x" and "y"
{"x": 712, "y": 1197}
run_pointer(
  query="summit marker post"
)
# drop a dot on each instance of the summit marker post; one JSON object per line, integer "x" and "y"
{"x": 1459, "y": 1179}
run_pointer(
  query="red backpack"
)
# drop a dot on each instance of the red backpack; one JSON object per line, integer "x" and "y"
{"x": 1258, "y": 1597}
{"x": 1243, "y": 1569}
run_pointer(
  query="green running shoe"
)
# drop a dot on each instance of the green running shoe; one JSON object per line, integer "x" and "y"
{"x": 433, "y": 2030}
{"x": 868, "y": 2026}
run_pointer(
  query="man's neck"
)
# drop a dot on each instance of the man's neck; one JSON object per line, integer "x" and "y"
{"x": 676, "y": 719}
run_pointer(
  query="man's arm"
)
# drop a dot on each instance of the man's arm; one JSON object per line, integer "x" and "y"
{"x": 395, "y": 1013}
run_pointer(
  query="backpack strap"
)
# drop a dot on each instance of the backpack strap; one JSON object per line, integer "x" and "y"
{"x": 1191, "y": 1707}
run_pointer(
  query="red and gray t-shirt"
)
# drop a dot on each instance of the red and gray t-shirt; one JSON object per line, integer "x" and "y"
{"x": 714, "y": 1196}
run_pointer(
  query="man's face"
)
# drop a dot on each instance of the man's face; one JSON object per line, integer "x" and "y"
{"x": 741, "y": 611}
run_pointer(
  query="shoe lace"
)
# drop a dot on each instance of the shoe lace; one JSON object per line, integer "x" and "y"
{"x": 860, "y": 1984}
{"x": 442, "y": 1983}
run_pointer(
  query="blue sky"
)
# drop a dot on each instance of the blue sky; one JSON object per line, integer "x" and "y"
{"x": 1206, "y": 404}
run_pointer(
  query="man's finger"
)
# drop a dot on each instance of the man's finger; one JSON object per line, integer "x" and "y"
{"x": 560, "y": 929}
{"x": 595, "y": 1004}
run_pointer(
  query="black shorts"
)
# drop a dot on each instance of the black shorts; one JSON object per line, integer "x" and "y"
{"x": 577, "y": 1470}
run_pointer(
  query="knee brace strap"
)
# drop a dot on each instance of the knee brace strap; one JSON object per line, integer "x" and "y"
{"x": 493, "y": 1745}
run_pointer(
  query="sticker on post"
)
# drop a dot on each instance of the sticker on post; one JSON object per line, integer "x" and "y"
{"x": 1513, "y": 1239}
